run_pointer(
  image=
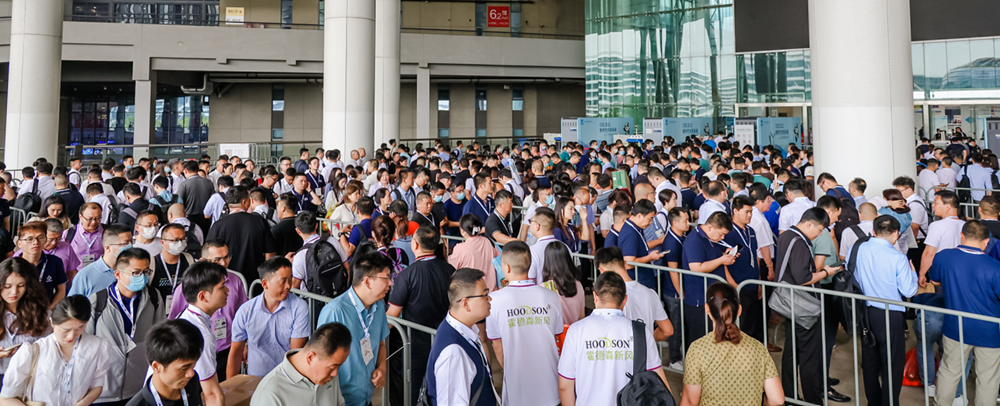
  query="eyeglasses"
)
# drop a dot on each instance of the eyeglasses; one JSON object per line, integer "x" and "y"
{"x": 473, "y": 297}
{"x": 90, "y": 220}
{"x": 40, "y": 238}
{"x": 146, "y": 272}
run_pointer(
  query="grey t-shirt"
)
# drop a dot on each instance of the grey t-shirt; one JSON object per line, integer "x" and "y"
{"x": 285, "y": 386}
{"x": 195, "y": 192}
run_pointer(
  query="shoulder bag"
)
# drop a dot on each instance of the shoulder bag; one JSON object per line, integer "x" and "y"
{"x": 30, "y": 385}
{"x": 807, "y": 306}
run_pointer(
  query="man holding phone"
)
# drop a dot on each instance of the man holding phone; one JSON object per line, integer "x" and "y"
{"x": 704, "y": 251}
{"x": 743, "y": 240}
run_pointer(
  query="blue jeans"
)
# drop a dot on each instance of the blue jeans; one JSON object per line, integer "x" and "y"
{"x": 933, "y": 323}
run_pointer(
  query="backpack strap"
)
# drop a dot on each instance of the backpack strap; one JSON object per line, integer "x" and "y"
{"x": 638, "y": 347}
{"x": 70, "y": 234}
{"x": 784, "y": 260}
{"x": 102, "y": 303}
{"x": 858, "y": 232}
{"x": 852, "y": 261}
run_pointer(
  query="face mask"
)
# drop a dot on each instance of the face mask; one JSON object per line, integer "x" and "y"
{"x": 621, "y": 152}
{"x": 148, "y": 232}
{"x": 549, "y": 200}
{"x": 461, "y": 196}
{"x": 438, "y": 199}
{"x": 592, "y": 156}
{"x": 166, "y": 170}
{"x": 137, "y": 282}
{"x": 123, "y": 249}
{"x": 177, "y": 247}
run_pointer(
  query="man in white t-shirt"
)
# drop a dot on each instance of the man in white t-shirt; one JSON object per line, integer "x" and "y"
{"x": 765, "y": 237}
{"x": 946, "y": 174}
{"x": 929, "y": 180}
{"x": 716, "y": 201}
{"x": 598, "y": 351}
{"x": 867, "y": 214}
{"x": 942, "y": 234}
{"x": 643, "y": 303}
{"x": 542, "y": 224}
{"x": 790, "y": 215}
{"x": 204, "y": 288}
{"x": 524, "y": 320}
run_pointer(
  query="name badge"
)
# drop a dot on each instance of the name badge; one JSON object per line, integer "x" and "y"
{"x": 86, "y": 260}
{"x": 170, "y": 303}
{"x": 366, "y": 349}
{"x": 219, "y": 328}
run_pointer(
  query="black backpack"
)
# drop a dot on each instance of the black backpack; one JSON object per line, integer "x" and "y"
{"x": 844, "y": 281}
{"x": 193, "y": 246}
{"x": 964, "y": 194}
{"x": 30, "y": 202}
{"x": 325, "y": 271}
{"x": 118, "y": 209}
{"x": 849, "y": 216}
{"x": 644, "y": 387}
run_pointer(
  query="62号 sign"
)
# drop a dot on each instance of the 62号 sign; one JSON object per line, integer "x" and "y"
{"x": 498, "y": 16}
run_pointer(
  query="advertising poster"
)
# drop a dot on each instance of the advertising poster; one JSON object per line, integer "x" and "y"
{"x": 602, "y": 129}
{"x": 779, "y": 132}
{"x": 744, "y": 130}
{"x": 652, "y": 129}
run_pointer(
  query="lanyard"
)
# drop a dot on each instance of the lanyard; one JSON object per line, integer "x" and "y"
{"x": 166, "y": 269}
{"x": 45, "y": 263}
{"x": 475, "y": 343}
{"x": 746, "y": 242}
{"x": 156, "y": 395}
{"x": 480, "y": 203}
{"x": 674, "y": 235}
{"x": 371, "y": 316}
{"x": 503, "y": 222}
{"x": 430, "y": 219}
{"x": 89, "y": 242}
{"x": 128, "y": 311}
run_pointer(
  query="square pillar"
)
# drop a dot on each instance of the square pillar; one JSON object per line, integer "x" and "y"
{"x": 145, "y": 115}
{"x": 423, "y": 102}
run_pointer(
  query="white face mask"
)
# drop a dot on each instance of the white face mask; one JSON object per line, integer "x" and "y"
{"x": 177, "y": 247}
{"x": 148, "y": 232}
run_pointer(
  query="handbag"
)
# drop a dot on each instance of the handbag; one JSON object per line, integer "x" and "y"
{"x": 25, "y": 398}
{"x": 807, "y": 306}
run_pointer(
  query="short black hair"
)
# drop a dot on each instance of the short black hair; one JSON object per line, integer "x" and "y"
{"x": 885, "y": 225}
{"x": 128, "y": 255}
{"x": 306, "y": 222}
{"x": 329, "y": 338}
{"x": 272, "y": 265}
{"x": 160, "y": 181}
{"x": 720, "y": 219}
{"x": 201, "y": 277}
{"x": 369, "y": 265}
{"x": 609, "y": 255}
{"x": 816, "y": 215}
{"x": 741, "y": 201}
{"x": 225, "y": 181}
{"x": 975, "y": 230}
{"x": 643, "y": 207}
{"x": 236, "y": 195}
{"x": 173, "y": 340}
{"x": 610, "y": 287}
{"x": 827, "y": 202}
{"x": 462, "y": 281}
{"x": 366, "y": 206}
{"x": 427, "y": 237}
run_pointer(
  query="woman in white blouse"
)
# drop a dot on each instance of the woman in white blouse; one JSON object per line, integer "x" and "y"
{"x": 25, "y": 311}
{"x": 383, "y": 182}
{"x": 345, "y": 211}
{"x": 71, "y": 364}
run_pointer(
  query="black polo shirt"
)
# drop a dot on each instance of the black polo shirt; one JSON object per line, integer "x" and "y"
{"x": 494, "y": 223}
{"x": 422, "y": 291}
{"x": 268, "y": 196}
{"x": 145, "y": 397}
{"x": 993, "y": 226}
{"x": 429, "y": 220}
{"x": 800, "y": 266}
{"x": 285, "y": 238}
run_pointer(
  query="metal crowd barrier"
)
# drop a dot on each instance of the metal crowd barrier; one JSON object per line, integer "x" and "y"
{"x": 968, "y": 209}
{"x": 855, "y": 298}
{"x": 403, "y": 327}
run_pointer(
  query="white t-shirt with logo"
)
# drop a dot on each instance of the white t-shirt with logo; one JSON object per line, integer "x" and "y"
{"x": 527, "y": 317}
{"x": 643, "y": 305}
{"x": 598, "y": 352}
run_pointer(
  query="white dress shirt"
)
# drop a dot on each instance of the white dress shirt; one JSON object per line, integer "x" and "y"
{"x": 454, "y": 371}
{"x": 89, "y": 367}
{"x": 790, "y": 215}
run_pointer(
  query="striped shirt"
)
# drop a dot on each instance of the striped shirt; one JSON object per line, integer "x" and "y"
{"x": 268, "y": 335}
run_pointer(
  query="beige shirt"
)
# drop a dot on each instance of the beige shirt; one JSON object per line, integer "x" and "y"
{"x": 285, "y": 386}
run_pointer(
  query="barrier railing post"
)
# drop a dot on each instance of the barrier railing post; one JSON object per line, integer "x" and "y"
{"x": 854, "y": 322}
{"x": 822, "y": 337}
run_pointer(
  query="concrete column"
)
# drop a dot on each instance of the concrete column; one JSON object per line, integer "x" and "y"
{"x": 387, "y": 27}
{"x": 862, "y": 90}
{"x": 424, "y": 102}
{"x": 33, "y": 85}
{"x": 145, "y": 114}
{"x": 349, "y": 75}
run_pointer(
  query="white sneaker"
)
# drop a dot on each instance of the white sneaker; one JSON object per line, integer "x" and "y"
{"x": 931, "y": 390}
{"x": 959, "y": 401}
{"x": 679, "y": 365}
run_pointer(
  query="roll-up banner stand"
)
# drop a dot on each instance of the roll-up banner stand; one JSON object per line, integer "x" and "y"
{"x": 745, "y": 130}
{"x": 779, "y": 132}
{"x": 679, "y": 128}
{"x": 602, "y": 129}
{"x": 568, "y": 130}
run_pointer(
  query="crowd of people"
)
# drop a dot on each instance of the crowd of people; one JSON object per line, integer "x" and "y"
{"x": 130, "y": 284}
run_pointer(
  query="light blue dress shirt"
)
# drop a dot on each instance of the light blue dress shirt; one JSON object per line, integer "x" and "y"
{"x": 979, "y": 178}
{"x": 355, "y": 375}
{"x": 268, "y": 335}
{"x": 884, "y": 273}
{"x": 92, "y": 278}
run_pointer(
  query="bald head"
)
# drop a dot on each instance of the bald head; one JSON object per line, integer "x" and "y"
{"x": 867, "y": 212}
{"x": 176, "y": 211}
{"x": 643, "y": 189}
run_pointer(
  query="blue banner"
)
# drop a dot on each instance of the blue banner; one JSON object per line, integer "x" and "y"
{"x": 602, "y": 129}
{"x": 779, "y": 132}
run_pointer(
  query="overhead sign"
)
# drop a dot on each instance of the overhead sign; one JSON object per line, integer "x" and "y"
{"x": 498, "y": 16}
{"x": 240, "y": 150}
{"x": 234, "y": 15}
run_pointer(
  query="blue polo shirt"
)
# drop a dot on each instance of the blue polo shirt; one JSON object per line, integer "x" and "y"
{"x": 672, "y": 249}
{"x": 92, "y": 278}
{"x": 698, "y": 248}
{"x": 355, "y": 375}
{"x": 612, "y": 239}
{"x": 687, "y": 198}
{"x": 453, "y": 211}
{"x": 356, "y": 233}
{"x": 971, "y": 283}
{"x": 633, "y": 243}
{"x": 480, "y": 208}
{"x": 697, "y": 202}
{"x": 746, "y": 265}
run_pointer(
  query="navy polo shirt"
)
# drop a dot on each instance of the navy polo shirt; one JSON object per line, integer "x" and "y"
{"x": 698, "y": 248}
{"x": 612, "y": 239}
{"x": 356, "y": 233}
{"x": 672, "y": 249}
{"x": 746, "y": 265}
{"x": 697, "y": 202}
{"x": 632, "y": 243}
{"x": 453, "y": 211}
{"x": 687, "y": 198}
{"x": 971, "y": 283}
{"x": 480, "y": 208}
{"x": 51, "y": 274}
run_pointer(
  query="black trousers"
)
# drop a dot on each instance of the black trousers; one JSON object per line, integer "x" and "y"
{"x": 221, "y": 362}
{"x": 890, "y": 350}
{"x": 809, "y": 355}
{"x": 694, "y": 324}
{"x": 752, "y": 319}
{"x": 834, "y": 318}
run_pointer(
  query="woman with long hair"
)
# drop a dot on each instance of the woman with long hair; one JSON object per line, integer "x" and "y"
{"x": 726, "y": 366}
{"x": 476, "y": 252}
{"x": 559, "y": 274}
{"x": 383, "y": 232}
{"x": 564, "y": 231}
{"x": 55, "y": 208}
{"x": 68, "y": 354}
{"x": 337, "y": 191}
{"x": 25, "y": 313}
{"x": 346, "y": 211}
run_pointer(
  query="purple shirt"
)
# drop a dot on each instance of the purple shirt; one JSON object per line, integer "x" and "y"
{"x": 85, "y": 243}
{"x": 237, "y": 296}
{"x": 64, "y": 252}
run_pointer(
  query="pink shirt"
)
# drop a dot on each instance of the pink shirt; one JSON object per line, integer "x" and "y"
{"x": 477, "y": 253}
